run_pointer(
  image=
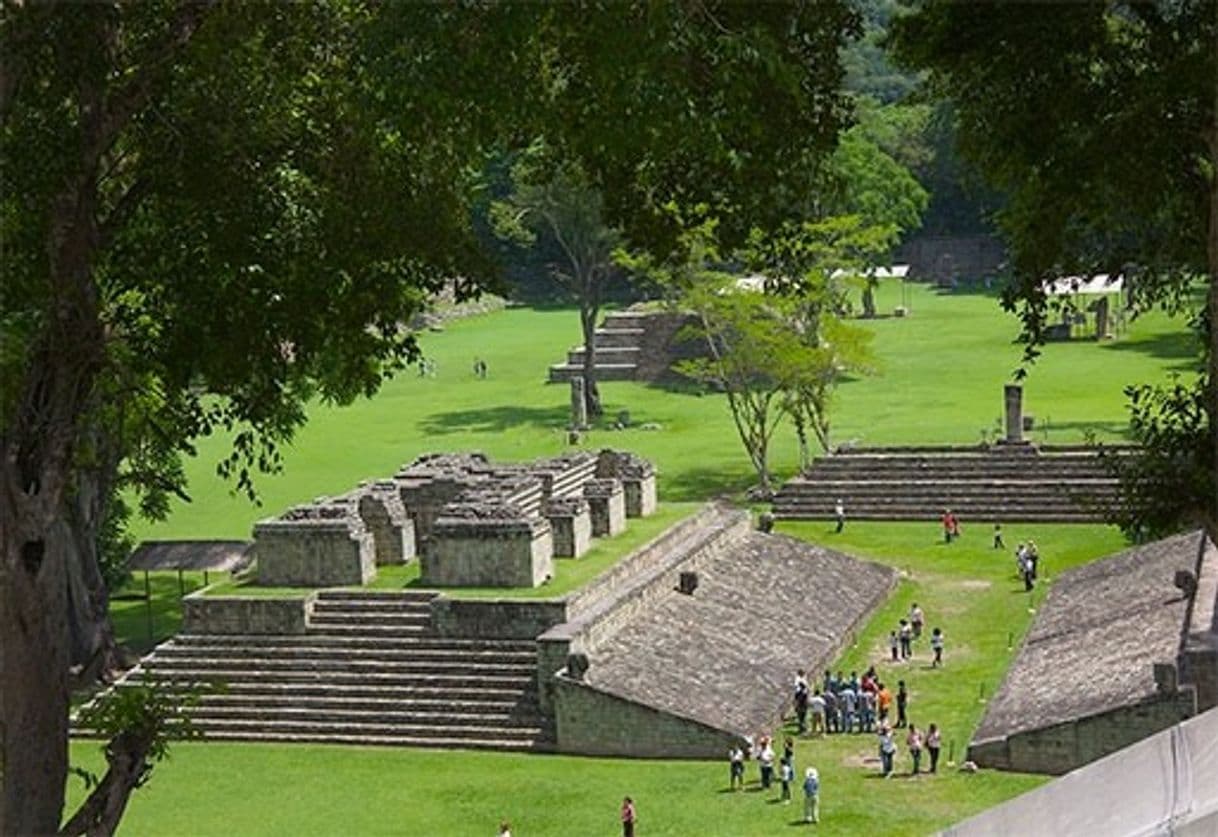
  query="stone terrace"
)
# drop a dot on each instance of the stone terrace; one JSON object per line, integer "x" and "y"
{"x": 725, "y": 655}
{"x": 1098, "y": 669}
{"x": 673, "y": 674}
{"x": 1001, "y": 483}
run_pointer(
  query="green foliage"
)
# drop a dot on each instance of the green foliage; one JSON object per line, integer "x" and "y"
{"x": 1097, "y": 122}
{"x": 157, "y": 710}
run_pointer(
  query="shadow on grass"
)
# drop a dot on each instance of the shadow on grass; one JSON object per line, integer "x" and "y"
{"x": 499, "y": 419}
{"x": 695, "y": 484}
{"x": 1182, "y": 346}
{"x": 1117, "y": 428}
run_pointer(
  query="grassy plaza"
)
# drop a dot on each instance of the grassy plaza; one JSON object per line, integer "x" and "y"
{"x": 942, "y": 371}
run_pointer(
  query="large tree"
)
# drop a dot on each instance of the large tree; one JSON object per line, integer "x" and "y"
{"x": 1098, "y": 121}
{"x": 216, "y": 212}
{"x": 553, "y": 198}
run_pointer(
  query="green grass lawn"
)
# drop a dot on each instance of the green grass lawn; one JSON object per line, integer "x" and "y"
{"x": 966, "y": 588}
{"x": 942, "y": 376}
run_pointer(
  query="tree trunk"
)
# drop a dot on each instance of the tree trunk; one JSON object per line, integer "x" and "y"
{"x": 592, "y": 397}
{"x": 869, "y": 301}
{"x": 35, "y": 480}
{"x": 127, "y": 757}
{"x": 1211, "y": 371}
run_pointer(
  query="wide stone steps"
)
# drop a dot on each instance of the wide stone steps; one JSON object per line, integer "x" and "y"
{"x": 618, "y": 338}
{"x": 420, "y": 672}
{"x": 617, "y": 355}
{"x": 543, "y": 742}
{"x": 175, "y": 650}
{"x": 1022, "y": 483}
{"x": 410, "y": 621}
{"x": 411, "y": 719}
{"x": 604, "y": 372}
{"x": 506, "y": 706}
{"x": 458, "y": 735}
{"x": 286, "y": 641}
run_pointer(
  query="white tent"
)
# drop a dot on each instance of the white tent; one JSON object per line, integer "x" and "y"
{"x": 1096, "y": 285}
{"x": 1166, "y": 784}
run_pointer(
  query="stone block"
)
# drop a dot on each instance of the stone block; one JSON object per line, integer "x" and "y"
{"x": 571, "y": 522}
{"x": 314, "y": 546}
{"x": 607, "y": 504}
{"x": 640, "y": 495}
{"x": 203, "y": 614}
{"x": 383, "y": 515}
{"x": 496, "y": 618}
{"x": 488, "y": 553}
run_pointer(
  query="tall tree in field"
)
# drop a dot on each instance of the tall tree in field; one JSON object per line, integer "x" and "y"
{"x": 1098, "y": 120}
{"x": 555, "y": 199}
{"x": 217, "y": 212}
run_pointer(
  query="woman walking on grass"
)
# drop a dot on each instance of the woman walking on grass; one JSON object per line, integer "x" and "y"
{"x": 914, "y": 742}
{"x": 933, "y": 742}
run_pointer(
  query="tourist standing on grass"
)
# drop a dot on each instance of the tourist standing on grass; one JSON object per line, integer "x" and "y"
{"x": 765, "y": 760}
{"x": 894, "y": 645}
{"x": 505, "y": 829}
{"x": 916, "y": 619}
{"x": 888, "y": 749}
{"x": 628, "y": 817}
{"x": 914, "y": 742}
{"x": 998, "y": 544}
{"x": 867, "y": 710}
{"x": 816, "y": 706}
{"x": 905, "y": 634}
{"x": 949, "y": 525}
{"x": 735, "y": 759}
{"x": 936, "y": 644}
{"x": 883, "y": 700}
{"x": 786, "y": 772}
{"x": 839, "y": 513}
{"x": 934, "y": 740}
{"x": 902, "y": 702}
{"x": 801, "y": 701}
{"x": 832, "y": 717}
{"x": 811, "y": 795}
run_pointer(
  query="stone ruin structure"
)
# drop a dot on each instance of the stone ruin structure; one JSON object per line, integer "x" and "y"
{"x": 471, "y": 522}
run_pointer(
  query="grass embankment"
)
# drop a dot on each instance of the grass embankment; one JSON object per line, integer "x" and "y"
{"x": 966, "y": 588}
{"x": 942, "y": 372}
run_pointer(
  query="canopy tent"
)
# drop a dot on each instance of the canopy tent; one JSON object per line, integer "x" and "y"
{"x": 195, "y": 556}
{"x": 1164, "y": 784}
{"x": 1097, "y": 285}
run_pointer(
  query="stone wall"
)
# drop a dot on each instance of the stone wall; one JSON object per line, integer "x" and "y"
{"x": 607, "y": 504}
{"x": 1063, "y": 747}
{"x": 315, "y": 546}
{"x": 495, "y": 618}
{"x": 662, "y": 345}
{"x": 1198, "y": 657}
{"x": 596, "y": 723}
{"x": 204, "y": 614}
{"x": 488, "y": 553}
{"x": 381, "y": 510}
{"x": 571, "y": 522}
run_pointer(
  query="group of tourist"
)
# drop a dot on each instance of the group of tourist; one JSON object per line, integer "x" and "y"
{"x": 762, "y": 750}
{"x": 909, "y": 629}
{"x": 915, "y": 742}
{"x": 843, "y": 705}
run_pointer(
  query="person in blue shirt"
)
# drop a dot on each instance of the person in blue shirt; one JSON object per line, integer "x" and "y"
{"x": 811, "y": 795}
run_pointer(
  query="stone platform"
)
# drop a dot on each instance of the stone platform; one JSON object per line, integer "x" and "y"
{"x": 1120, "y": 649}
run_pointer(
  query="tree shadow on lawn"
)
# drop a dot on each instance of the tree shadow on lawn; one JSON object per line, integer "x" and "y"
{"x": 696, "y": 484}
{"x": 495, "y": 419}
{"x": 1180, "y": 346}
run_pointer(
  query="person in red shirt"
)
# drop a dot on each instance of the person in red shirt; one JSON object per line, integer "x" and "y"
{"x": 628, "y": 817}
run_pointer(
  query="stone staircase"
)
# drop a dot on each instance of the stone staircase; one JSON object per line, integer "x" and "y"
{"x": 619, "y": 347}
{"x": 368, "y": 670}
{"x": 1004, "y": 483}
